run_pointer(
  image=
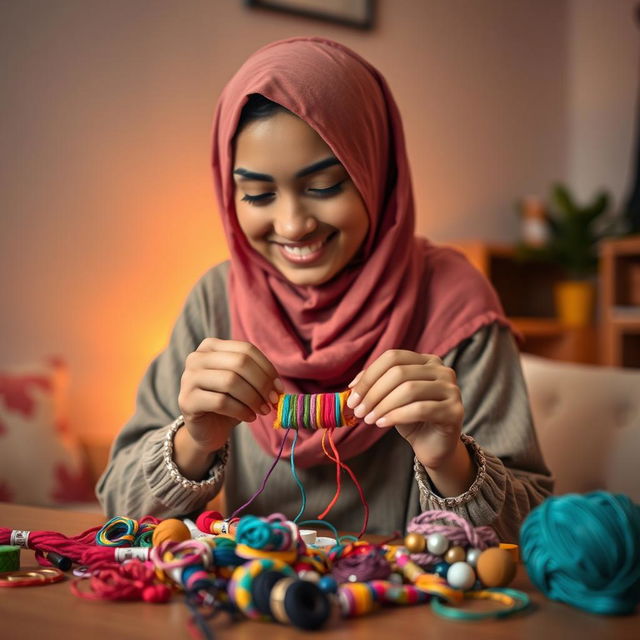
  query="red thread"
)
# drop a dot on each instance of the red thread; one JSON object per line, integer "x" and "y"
{"x": 340, "y": 464}
{"x": 134, "y": 580}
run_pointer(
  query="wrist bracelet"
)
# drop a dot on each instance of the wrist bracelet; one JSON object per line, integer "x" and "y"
{"x": 215, "y": 472}
{"x": 448, "y": 503}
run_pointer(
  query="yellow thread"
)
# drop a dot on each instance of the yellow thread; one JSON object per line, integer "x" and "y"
{"x": 319, "y": 411}
{"x": 278, "y": 423}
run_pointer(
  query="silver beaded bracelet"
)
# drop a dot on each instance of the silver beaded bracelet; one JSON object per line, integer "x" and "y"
{"x": 215, "y": 473}
{"x": 422, "y": 478}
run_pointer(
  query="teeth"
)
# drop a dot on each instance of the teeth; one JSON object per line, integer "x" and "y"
{"x": 303, "y": 251}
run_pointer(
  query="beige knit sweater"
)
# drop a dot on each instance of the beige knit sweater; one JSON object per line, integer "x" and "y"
{"x": 511, "y": 479}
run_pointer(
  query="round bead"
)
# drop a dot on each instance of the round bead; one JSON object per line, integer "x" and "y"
{"x": 437, "y": 544}
{"x": 328, "y": 584}
{"x": 415, "y": 542}
{"x": 441, "y": 569}
{"x": 496, "y": 567}
{"x": 455, "y": 554}
{"x": 472, "y": 556}
{"x": 171, "y": 529}
{"x": 461, "y": 576}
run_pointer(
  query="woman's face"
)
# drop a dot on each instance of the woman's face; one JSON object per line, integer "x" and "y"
{"x": 295, "y": 202}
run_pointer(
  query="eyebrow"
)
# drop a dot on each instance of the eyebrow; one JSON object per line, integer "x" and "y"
{"x": 265, "y": 177}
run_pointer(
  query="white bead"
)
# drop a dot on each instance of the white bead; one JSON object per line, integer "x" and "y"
{"x": 437, "y": 544}
{"x": 461, "y": 576}
{"x": 472, "y": 556}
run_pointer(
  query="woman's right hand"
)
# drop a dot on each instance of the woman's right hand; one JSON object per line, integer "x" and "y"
{"x": 225, "y": 382}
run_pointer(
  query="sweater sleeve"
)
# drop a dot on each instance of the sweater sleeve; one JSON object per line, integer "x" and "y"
{"x": 138, "y": 480}
{"x": 498, "y": 430}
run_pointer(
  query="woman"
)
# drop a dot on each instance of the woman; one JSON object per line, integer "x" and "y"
{"x": 327, "y": 288}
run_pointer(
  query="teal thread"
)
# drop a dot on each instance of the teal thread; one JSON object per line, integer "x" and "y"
{"x": 303, "y": 495}
{"x": 584, "y": 550}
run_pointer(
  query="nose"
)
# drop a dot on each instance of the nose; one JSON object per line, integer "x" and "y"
{"x": 292, "y": 221}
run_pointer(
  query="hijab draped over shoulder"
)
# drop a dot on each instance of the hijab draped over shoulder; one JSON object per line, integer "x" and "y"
{"x": 399, "y": 292}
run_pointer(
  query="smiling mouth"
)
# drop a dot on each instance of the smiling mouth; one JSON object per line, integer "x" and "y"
{"x": 304, "y": 254}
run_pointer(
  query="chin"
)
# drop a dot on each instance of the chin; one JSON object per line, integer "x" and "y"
{"x": 307, "y": 279}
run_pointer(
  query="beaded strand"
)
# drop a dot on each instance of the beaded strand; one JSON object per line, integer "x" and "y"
{"x": 313, "y": 411}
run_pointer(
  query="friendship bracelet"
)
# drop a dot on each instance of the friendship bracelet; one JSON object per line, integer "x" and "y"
{"x": 215, "y": 473}
{"x": 313, "y": 411}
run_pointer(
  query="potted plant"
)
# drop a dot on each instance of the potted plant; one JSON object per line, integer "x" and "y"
{"x": 574, "y": 233}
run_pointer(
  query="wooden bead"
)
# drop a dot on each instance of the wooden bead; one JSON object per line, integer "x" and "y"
{"x": 495, "y": 567}
{"x": 170, "y": 529}
{"x": 415, "y": 542}
{"x": 455, "y": 554}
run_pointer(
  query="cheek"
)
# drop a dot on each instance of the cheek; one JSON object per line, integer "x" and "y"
{"x": 355, "y": 220}
{"x": 252, "y": 224}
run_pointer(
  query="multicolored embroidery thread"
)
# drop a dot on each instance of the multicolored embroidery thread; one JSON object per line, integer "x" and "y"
{"x": 313, "y": 411}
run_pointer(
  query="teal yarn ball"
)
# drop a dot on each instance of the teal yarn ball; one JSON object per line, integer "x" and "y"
{"x": 584, "y": 550}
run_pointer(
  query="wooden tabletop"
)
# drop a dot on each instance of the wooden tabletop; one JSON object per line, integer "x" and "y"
{"x": 52, "y": 611}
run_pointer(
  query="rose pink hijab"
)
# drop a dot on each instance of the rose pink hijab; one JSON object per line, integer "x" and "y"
{"x": 401, "y": 292}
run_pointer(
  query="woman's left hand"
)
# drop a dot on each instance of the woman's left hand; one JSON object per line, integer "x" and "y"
{"x": 418, "y": 395}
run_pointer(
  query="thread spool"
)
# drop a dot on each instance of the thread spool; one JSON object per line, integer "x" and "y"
{"x": 213, "y": 522}
{"x": 9, "y": 558}
{"x": 299, "y": 603}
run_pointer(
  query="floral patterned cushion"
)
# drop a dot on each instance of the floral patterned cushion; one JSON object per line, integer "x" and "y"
{"x": 41, "y": 462}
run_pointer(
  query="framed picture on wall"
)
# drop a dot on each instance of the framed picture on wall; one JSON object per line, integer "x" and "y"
{"x": 353, "y": 13}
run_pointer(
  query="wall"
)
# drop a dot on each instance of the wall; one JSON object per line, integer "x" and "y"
{"x": 107, "y": 209}
{"x": 604, "y": 59}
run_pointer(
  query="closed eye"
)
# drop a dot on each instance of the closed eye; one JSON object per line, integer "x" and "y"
{"x": 262, "y": 197}
{"x": 328, "y": 191}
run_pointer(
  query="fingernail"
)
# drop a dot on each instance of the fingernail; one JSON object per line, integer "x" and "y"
{"x": 273, "y": 397}
{"x": 359, "y": 411}
{"x": 354, "y": 382}
{"x": 370, "y": 418}
{"x": 353, "y": 399}
{"x": 279, "y": 385}
{"x": 382, "y": 422}
{"x": 264, "y": 409}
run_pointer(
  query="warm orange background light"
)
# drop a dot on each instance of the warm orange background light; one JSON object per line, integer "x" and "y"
{"x": 107, "y": 212}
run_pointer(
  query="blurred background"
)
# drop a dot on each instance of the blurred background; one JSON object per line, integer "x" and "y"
{"x": 107, "y": 211}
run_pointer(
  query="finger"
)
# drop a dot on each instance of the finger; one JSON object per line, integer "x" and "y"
{"x": 238, "y": 346}
{"x": 406, "y": 393}
{"x": 374, "y": 371}
{"x": 239, "y": 362}
{"x": 232, "y": 384}
{"x": 200, "y": 401}
{"x": 396, "y": 376}
{"x": 448, "y": 412}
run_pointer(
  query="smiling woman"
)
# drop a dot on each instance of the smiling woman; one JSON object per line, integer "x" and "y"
{"x": 329, "y": 290}
{"x": 295, "y": 202}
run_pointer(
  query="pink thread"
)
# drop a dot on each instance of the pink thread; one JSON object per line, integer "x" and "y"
{"x": 461, "y": 533}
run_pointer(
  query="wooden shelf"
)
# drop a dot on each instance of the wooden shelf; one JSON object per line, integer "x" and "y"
{"x": 538, "y": 327}
{"x": 620, "y": 301}
{"x": 526, "y": 292}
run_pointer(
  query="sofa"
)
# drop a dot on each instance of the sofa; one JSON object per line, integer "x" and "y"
{"x": 588, "y": 422}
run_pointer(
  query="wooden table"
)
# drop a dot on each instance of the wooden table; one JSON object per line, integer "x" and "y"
{"x": 52, "y": 611}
